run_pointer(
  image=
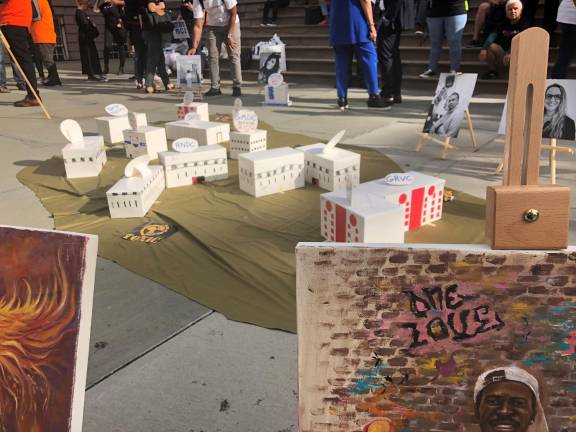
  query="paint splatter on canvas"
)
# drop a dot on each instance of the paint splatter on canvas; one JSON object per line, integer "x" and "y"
{"x": 46, "y": 285}
{"x": 396, "y": 339}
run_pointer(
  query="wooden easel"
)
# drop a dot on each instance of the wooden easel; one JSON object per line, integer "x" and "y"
{"x": 22, "y": 74}
{"x": 522, "y": 214}
{"x": 446, "y": 141}
{"x": 553, "y": 148}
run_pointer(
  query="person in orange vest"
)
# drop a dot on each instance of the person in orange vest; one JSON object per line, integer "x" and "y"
{"x": 44, "y": 36}
{"x": 15, "y": 19}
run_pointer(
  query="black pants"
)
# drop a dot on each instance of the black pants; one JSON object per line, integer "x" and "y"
{"x": 155, "y": 58}
{"x": 389, "y": 59}
{"x": 274, "y": 5}
{"x": 550, "y": 12}
{"x": 17, "y": 37}
{"x": 137, "y": 40}
{"x": 566, "y": 51}
{"x": 117, "y": 36}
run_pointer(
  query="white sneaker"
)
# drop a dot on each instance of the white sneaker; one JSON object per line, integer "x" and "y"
{"x": 453, "y": 72}
{"x": 429, "y": 73}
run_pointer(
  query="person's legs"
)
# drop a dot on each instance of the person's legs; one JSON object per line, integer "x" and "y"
{"x": 550, "y": 15}
{"x": 483, "y": 11}
{"x": 213, "y": 58}
{"x": 233, "y": 54}
{"x": 37, "y": 58}
{"x": 496, "y": 53}
{"x": 121, "y": 44}
{"x": 139, "y": 54}
{"x": 108, "y": 39}
{"x": 17, "y": 37}
{"x": 436, "y": 29}
{"x": 47, "y": 53}
{"x": 153, "y": 49}
{"x": 454, "y": 27}
{"x": 343, "y": 57}
{"x": 366, "y": 56}
{"x": 566, "y": 51}
{"x": 389, "y": 59}
{"x": 2, "y": 68}
{"x": 266, "y": 11}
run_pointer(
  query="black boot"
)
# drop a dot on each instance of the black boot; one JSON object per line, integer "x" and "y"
{"x": 343, "y": 103}
{"x": 53, "y": 78}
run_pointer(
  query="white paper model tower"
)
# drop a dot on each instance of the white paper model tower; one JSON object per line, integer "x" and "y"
{"x": 247, "y": 138}
{"x": 191, "y": 164}
{"x": 204, "y": 132}
{"x": 134, "y": 194}
{"x": 278, "y": 95}
{"x": 189, "y": 106}
{"x": 329, "y": 167}
{"x": 84, "y": 156}
{"x": 142, "y": 139}
{"x": 112, "y": 126}
{"x": 271, "y": 171}
{"x": 357, "y": 216}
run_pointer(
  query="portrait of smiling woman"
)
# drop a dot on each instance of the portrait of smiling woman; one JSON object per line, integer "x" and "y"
{"x": 557, "y": 124}
{"x": 269, "y": 66}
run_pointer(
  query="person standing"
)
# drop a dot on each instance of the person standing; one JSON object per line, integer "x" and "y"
{"x": 352, "y": 29}
{"x": 15, "y": 20}
{"x": 222, "y": 26}
{"x": 133, "y": 24}
{"x": 87, "y": 32}
{"x": 447, "y": 19}
{"x": 44, "y": 36}
{"x": 115, "y": 32}
{"x": 567, "y": 47}
{"x": 3, "y": 87}
{"x": 389, "y": 33}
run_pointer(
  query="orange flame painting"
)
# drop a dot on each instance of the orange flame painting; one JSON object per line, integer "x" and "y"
{"x": 41, "y": 289}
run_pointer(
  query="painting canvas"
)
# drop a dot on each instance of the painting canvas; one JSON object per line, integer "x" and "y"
{"x": 46, "y": 289}
{"x": 270, "y": 63}
{"x": 435, "y": 338}
{"x": 449, "y": 105}
{"x": 559, "y": 111}
{"x": 189, "y": 71}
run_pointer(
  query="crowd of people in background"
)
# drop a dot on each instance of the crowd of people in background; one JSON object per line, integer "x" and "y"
{"x": 370, "y": 30}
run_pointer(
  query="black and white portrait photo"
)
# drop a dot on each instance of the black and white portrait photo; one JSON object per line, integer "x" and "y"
{"x": 189, "y": 71}
{"x": 449, "y": 105}
{"x": 559, "y": 111}
{"x": 269, "y": 64}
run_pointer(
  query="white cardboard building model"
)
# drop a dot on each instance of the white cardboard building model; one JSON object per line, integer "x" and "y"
{"x": 112, "y": 126}
{"x": 271, "y": 171}
{"x": 84, "y": 156}
{"x": 134, "y": 194}
{"x": 204, "y": 132}
{"x": 246, "y": 138}
{"x": 358, "y": 216}
{"x": 276, "y": 92}
{"x": 190, "y": 164}
{"x": 329, "y": 167}
{"x": 142, "y": 139}
{"x": 189, "y": 106}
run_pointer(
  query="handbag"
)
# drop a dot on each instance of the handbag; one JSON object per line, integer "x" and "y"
{"x": 158, "y": 23}
{"x": 92, "y": 31}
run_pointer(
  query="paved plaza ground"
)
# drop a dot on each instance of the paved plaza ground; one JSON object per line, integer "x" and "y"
{"x": 160, "y": 362}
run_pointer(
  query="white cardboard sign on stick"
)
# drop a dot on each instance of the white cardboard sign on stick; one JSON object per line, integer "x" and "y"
{"x": 73, "y": 132}
{"x": 334, "y": 141}
{"x": 137, "y": 120}
{"x": 245, "y": 121}
{"x": 275, "y": 80}
{"x": 185, "y": 145}
{"x": 116, "y": 110}
{"x": 192, "y": 117}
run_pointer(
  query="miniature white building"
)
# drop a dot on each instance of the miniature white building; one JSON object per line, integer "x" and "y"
{"x": 360, "y": 217}
{"x": 279, "y": 95}
{"x": 142, "y": 139}
{"x": 421, "y": 201}
{"x": 271, "y": 171}
{"x": 200, "y": 108}
{"x": 247, "y": 142}
{"x": 111, "y": 128}
{"x": 134, "y": 194}
{"x": 206, "y": 163}
{"x": 329, "y": 167}
{"x": 204, "y": 132}
{"x": 84, "y": 156}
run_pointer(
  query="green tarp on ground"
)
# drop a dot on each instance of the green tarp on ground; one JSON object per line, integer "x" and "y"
{"x": 232, "y": 252}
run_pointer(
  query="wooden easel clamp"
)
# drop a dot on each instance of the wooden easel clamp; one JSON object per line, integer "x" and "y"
{"x": 521, "y": 214}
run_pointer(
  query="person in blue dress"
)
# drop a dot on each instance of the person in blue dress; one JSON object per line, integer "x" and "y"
{"x": 352, "y": 29}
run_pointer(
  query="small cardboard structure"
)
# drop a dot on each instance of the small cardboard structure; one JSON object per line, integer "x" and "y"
{"x": 84, "y": 156}
{"x": 143, "y": 139}
{"x": 205, "y": 132}
{"x": 276, "y": 92}
{"x": 271, "y": 171}
{"x": 419, "y": 195}
{"x": 358, "y": 216}
{"x": 112, "y": 127}
{"x": 190, "y": 164}
{"x": 330, "y": 167}
{"x": 246, "y": 138}
{"x": 134, "y": 194}
{"x": 189, "y": 106}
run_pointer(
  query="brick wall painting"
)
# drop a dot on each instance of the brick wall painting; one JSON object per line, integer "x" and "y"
{"x": 395, "y": 339}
